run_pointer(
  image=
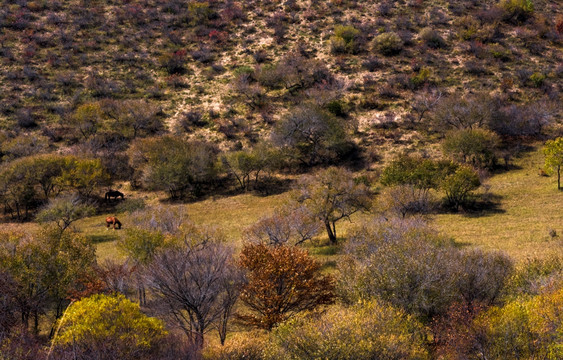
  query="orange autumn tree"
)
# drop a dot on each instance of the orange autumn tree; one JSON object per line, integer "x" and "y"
{"x": 282, "y": 281}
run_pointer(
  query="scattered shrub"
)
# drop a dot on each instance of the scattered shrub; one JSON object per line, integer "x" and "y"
{"x": 372, "y": 63}
{"x": 388, "y": 44}
{"x": 423, "y": 77}
{"x": 517, "y": 10}
{"x": 345, "y": 39}
{"x": 500, "y": 52}
{"x": 537, "y": 79}
{"x": 459, "y": 186}
{"x": 431, "y": 38}
{"x": 477, "y": 147}
{"x": 175, "y": 62}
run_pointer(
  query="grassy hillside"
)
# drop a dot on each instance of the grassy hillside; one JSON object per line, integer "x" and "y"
{"x": 529, "y": 209}
{"x": 526, "y": 211}
{"x": 186, "y": 58}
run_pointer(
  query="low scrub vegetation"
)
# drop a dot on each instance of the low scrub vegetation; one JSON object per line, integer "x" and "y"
{"x": 278, "y": 171}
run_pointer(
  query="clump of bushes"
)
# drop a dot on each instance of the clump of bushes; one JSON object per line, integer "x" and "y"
{"x": 431, "y": 38}
{"x": 409, "y": 265}
{"x": 459, "y": 186}
{"x": 174, "y": 62}
{"x": 477, "y": 147}
{"x": 500, "y": 52}
{"x": 537, "y": 79}
{"x": 385, "y": 333}
{"x": 388, "y": 44}
{"x": 517, "y": 10}
{"x": 344, "y": 39}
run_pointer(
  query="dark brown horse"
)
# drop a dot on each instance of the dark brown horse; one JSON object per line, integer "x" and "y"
{"x": 112, "y": 220}
{"x": 114, "y": 194}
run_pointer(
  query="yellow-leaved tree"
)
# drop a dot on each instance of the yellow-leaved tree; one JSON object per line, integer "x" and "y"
{"x": 553, "y": 152}
{"x": 523, "y": 329}
{"x": 109, "y": 326}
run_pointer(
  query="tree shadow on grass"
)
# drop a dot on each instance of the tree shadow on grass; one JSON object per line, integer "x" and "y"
{"x": 462, "y": 244}
{"x": 102, "y": 238}
{"x": 486, "y": 205}
{"x": 266, "y": 187}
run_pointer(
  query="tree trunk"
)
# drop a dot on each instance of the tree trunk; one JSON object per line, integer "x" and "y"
{"x": 558, "y": 177}
{"x": 36, "y": 322}
{"x": 331, "y": 231}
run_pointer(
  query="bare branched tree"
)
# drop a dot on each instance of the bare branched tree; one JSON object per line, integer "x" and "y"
{"x": 425, "y": 102}
{"x": 164, "y": 219}
{"x": 198, "y": 283}
{"x": 292, "y": 224}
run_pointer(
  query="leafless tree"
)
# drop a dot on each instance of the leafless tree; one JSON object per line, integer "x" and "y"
{"x": 425, "y": 102}
{"x": 462, "y": 112}
{"x": 198, "y": 284}
{"x": 117, "y": 277}
{"x": 292, "y": 224}
{"x": 252, "y": 93}
{"x": 403, "y": 200}
{"x": 164, "y": 219}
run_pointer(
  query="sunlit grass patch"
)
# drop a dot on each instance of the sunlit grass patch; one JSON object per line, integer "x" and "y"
{"x": 530, "y": 221}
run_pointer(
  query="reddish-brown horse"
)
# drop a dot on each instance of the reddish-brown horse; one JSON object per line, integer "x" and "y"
{"x": 112, "y": 220}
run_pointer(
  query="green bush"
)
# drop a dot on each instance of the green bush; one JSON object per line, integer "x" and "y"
{"x": 369, "y": 330}
{"x": 459, "y": 186}
{"x": 174, "y": 62}
{"x": 337, "y": 108}
{"x": 500, "y": 52}
{"x": 431, "y": 38}
{"x": 517, "y": 10}
{"x": 537, "y": 79}
{"x": 244, "y": 71}
{"x": 477, "y": 147}
{"x": 418, "y": 172}
{"x": 173, "y": 165}
{"x": 388, "y": 44}
{"x": 421, "y": 78}
{"x": 344, "y": 39}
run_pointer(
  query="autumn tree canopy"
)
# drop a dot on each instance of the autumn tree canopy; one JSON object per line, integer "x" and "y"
{"x": 281, "y": 282}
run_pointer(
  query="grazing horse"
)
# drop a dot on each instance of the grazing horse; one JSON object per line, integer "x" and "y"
{"x": 114, "y": 194}
{"x": 112, "y": 220}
